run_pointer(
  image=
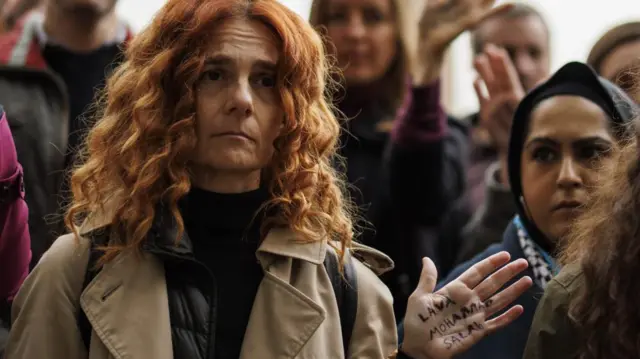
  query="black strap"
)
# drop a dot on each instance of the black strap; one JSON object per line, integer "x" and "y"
{"x": 90, "y": 273}
{"x": 12, "y": 187}
{"x": 345, "y": 287}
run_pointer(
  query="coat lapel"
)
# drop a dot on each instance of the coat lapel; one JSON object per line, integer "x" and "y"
{"x": 279, "y": 304}
{"x": 127, "y": 306}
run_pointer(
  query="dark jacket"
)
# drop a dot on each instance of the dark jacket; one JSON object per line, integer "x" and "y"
{"x": 37, "y": 106}
{"x": 403, "y": 181}
{"x": 489, "y": 221}
{"x": 478, "y": 218}
{"x": 508, "y": 343}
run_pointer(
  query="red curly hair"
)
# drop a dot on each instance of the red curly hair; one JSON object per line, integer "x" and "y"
{"x": 137, "y": 154}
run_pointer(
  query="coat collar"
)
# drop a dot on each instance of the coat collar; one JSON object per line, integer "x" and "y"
{"x": 279, "y": 242}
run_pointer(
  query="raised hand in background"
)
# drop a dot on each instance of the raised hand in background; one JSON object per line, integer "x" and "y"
{"x": 442, "y": 22}
{"x": 504, "y": 91}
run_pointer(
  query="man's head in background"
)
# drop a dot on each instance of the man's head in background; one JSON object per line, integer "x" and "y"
{"x": 617, "y": 52}
{"x": 524, "y": 34}
{"x": 85, "y": 9}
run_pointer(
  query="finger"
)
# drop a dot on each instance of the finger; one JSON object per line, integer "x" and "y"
{"x": 498, "y": 61}
{"x": 505, "y": 73}
{"x": 503, "y": 320}
{"x": 501, "y": 300}
{"x": 428, "y": 276}
{"x": 481, "y": 64}
{"x": 498, "y": 279}
{"x": 479, "y": 271}
{"x": 478, "y": 87}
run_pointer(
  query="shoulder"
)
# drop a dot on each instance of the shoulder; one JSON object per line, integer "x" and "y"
{"x": 568, "y": 280}
{"x": 376, "y": 261}
{"x": 563, "y": 286}
{"x": 61, "y": 267}
{"x": 66, "y": 251}
{"x": 59, "y": 274}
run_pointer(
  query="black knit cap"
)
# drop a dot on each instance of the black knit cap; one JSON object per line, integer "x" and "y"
{"x": 575, "y": 79}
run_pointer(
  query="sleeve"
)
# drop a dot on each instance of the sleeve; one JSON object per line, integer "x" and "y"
{"x": 374, "y": 332}
{"x": 15, "y": 243}
{"x": 425, "y": 159}
{"x": 552, "y": 335}
{"x": 45, "y": 310}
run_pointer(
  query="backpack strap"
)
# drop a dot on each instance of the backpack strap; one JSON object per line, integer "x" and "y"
{"x": 83, "y": 322}
{"x": 345, "y": 287}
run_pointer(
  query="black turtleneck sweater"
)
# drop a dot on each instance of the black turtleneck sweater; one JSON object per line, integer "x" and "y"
{"x": 225, "y": 238}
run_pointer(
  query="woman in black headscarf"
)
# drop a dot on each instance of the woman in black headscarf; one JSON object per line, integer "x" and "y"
{"x": 562, "y": 132}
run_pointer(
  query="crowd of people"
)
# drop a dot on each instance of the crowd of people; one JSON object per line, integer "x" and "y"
{"x": 235, "y": 181}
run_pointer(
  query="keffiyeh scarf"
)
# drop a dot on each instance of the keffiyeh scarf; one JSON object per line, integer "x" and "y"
{"x": 544, "y": 267}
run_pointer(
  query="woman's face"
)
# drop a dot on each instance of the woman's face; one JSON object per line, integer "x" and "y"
{"x": 364, "y": 34}
{"x": 568, "y": 140}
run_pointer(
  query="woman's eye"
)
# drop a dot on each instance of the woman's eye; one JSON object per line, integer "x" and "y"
{"x": 544, "y": 155}
{"x": 267, "y": 80}
{"x": 213, "y": 75}
{"x": 593, "y": 152}
{"x": 337, "y": 17}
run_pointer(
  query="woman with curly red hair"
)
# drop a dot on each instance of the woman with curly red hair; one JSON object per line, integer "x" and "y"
{"x": 207, "y": 203}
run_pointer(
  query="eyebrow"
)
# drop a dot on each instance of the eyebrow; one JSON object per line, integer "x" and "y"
{"x": 222, "y": 60}
{"x": 579, "y": 142}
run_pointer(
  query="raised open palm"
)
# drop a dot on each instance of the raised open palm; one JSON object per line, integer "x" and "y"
{"x": 446, "y": 323}
{"x": 444, "y": 20}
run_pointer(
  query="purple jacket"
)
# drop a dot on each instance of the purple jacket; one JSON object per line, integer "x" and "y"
{"x": 15, "y": 244}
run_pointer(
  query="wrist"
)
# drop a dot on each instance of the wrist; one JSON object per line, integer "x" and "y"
{"x": 427, "y": 69}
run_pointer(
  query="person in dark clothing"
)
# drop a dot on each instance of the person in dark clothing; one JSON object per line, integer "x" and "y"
{"x": 564, "y": 132}
{"x": 512, "y": 54}
{"x": 524, "y": 34}
{"x": 54, "y": 62}
{"x": 405, "y": 162}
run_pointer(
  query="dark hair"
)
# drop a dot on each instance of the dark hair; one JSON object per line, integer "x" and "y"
{"x": 617, "y": 36}
{"x": 518, "y": 10}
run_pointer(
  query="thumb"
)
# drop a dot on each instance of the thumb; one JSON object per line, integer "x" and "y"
{"x": 428, "y": 277}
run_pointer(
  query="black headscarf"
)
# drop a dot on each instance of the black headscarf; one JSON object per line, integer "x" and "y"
{"x": 575, "y": 79}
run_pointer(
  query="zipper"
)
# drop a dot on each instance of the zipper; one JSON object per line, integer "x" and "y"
{"x": 213, "y": 295}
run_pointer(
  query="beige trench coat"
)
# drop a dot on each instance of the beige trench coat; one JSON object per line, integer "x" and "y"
{"x": 294, "y": 314}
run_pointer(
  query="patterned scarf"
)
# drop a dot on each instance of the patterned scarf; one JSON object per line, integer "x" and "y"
{"x": 544, "y": 266}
